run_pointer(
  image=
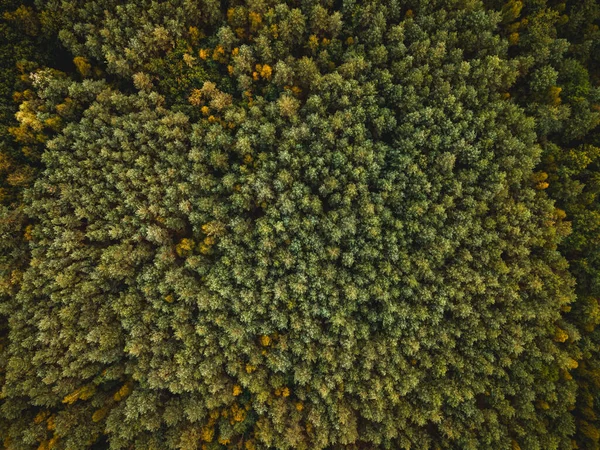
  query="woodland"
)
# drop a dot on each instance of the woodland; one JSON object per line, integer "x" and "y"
{"x": 300, "y": 224}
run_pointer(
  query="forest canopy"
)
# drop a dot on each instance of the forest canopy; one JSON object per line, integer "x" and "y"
{"x": 302, "y": 224}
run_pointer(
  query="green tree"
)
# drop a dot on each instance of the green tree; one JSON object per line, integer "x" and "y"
{"x": 557, "y": 43}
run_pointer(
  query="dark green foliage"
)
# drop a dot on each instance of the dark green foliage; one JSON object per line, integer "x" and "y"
{"x": 21, "y": 45}
{"x": 560, "y": 88}
{"x": 306, "y": 225}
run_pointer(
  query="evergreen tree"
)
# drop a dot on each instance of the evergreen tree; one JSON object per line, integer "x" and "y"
{"x": 558, "y": 44}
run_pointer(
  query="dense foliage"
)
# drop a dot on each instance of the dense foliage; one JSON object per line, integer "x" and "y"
{"x": 300, "y": 224}
{"x": 559, "y": 44}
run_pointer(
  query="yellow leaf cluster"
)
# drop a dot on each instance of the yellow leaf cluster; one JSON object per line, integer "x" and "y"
{"x": 195, "y": 34}
{"x": 539, "y": 178}
{"x": 560, "y": 335}
{"x": 543, "y": 404}
{"x": 264, "y": 70}
{"x": 554, "y": 93}
{"x": 572, "y": 364}
{"x": 47, "y": 445}
{"x": 237, "y": 414}
{"x": 255, "y": 20}
{"x": 265, "y": 340}
{"x": 203, "y": 53}
{"x": 207, "y": 433}
{"x": 28, "y": 234}
{"x": 185, "y": 247}
{"x": 83, "y": 393}
{"x": 100, "y": 414}
{"x": 219, "y": 54}
{"x": 41, "y": 416}
{"x": 284, "y": 392}
{"x": 82, "y": 65}
{"x": 123, "y": 392}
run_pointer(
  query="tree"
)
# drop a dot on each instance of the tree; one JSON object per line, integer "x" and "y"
{"x": 559, "y": 87}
